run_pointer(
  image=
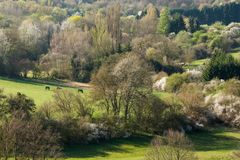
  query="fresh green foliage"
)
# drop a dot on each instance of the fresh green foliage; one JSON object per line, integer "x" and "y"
{"x": 164, "y": 22}
{"x": 175, "y": 81}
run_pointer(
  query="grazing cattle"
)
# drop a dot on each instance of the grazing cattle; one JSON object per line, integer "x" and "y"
{"x": 47, "y": 88}
{"x": 80, "y": 90}
{"x": 59, "y": 88}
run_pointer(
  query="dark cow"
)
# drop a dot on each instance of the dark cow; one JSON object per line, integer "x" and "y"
{"x": 47, "y": 88}
{"x": 80, "y": 90}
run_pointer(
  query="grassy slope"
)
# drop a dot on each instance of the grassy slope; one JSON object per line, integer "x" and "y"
{"x": 209, "y": 145}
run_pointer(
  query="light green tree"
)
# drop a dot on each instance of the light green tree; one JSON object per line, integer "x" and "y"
{"x": 164, "y": 22}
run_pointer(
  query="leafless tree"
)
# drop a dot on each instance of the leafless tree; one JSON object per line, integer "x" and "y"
{"x": 175, "y": 146}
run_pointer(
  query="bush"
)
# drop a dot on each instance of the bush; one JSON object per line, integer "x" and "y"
{"x": 175, "y": 81}
{"x": 192, "y": 101}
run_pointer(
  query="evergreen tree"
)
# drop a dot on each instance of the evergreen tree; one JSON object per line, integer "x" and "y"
{"x": 222, "y": 66}
{"x": 177, "y": 23}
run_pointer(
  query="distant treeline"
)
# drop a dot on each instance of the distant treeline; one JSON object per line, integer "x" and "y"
{"x": 208, "y": 15}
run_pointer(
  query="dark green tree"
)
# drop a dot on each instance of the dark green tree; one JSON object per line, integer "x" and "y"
{"x": 222, "y": 66}
{"x": 177, "y": 23}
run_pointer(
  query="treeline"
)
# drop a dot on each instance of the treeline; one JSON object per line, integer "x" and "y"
{"x": 208, "y": 15}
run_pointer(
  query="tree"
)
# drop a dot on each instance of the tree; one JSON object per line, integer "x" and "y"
{"x": 148, "y": 23}
{"x": 59, "y": 14}
{"x": 70, "y": 54}
{"x": 122, "y": 85}
{"x": 192, "y": 99}
{"x": 101, "y": 37}
{"x": 175, "y": 146}
{"x": 191, "y": 24}
{"x": 34, "y": 38}
{"x": 164, "y": 22}
{"x": 12, "y": 53}
{"x": 221, "y": 42}
{"x": 27, "y": 139}
{"x": 176, "y": 23}
{"x": 19, "y": 103}
{"x": 68, "y": 103}
{"x": 222, "y": 66}
{"x": 113, "y": 23}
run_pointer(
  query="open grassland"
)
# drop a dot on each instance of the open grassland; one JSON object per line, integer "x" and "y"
{"x": 214, "y": 144}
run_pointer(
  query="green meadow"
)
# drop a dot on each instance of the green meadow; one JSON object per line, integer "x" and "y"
{"x": 30, "y": 88}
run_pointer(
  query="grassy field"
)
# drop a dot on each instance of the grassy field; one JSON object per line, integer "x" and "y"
{"x": 215, "y": 144}
{"x": 32, "y": 89}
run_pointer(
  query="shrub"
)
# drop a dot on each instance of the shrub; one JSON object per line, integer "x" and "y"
{"x": 192, "y": 100}
{"x": 232, "y": 87}
{"x": 175, "y": 81}
{"x": 57, "y": 74}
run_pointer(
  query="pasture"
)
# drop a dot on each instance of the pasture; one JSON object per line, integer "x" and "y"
{"x": 32, "y": 89}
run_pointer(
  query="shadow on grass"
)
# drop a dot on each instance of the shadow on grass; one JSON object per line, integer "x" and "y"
{"x": 103, "y": 149}
{"x": 213, "y": 140}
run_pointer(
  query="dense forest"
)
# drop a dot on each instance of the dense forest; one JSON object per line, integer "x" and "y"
{"x": 116, "y": 69}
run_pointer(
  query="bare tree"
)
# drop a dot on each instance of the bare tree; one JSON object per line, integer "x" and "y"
{"x": 113, "y": 21}
{"x": 175, "y": 146}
